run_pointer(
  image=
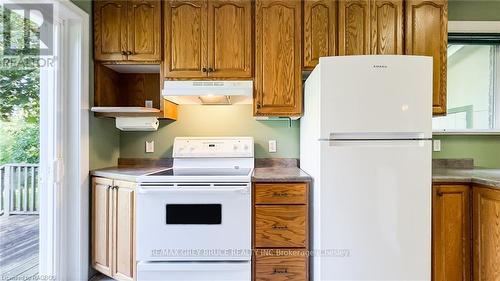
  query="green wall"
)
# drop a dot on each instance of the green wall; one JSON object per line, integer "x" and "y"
{"x": 215, "y": 120}
{"x": 104, "y": 138}
{"x": 474, "y": 10}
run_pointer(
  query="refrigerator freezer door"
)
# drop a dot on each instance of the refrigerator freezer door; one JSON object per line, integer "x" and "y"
{"x": 375, "y": 94}
{"x": 372, "y": 211}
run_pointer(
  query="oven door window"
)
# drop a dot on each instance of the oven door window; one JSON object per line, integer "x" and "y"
{"x": 194, "y": 213}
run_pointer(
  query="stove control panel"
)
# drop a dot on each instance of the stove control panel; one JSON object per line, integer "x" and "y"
{"x": 213, "y": 147}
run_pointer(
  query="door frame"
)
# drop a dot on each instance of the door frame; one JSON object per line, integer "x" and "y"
{"x": 64, "y": 162}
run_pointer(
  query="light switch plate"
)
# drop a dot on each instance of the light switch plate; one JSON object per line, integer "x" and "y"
{"x": 272, "y": 146}
{"x": 150, "y": 146}
{"x": 436, "y": 145}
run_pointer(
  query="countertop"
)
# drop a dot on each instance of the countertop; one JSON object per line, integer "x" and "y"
{"x": 268, "y": 174}
{"x": 280, "y": 174}
{"x": 489, "y": 177}
{"x": 125, "y": 173}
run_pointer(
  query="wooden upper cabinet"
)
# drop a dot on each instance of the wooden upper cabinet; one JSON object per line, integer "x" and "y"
{"x": 144, "y": 30}
{"x": 127, "y": 30}
{"x": 101, "y": 225}
{"x": 354, "y": 27}
{"x": 124, "y": 267}
{"x": 320, "y": 31}
{"x": 427, "y": 34}
{"x": 451, "y": 235}
{"x": 387, "y": 27}
{"x": 370, "y": 27}
{"x": 185, "y": 39}
{"x": 278, "y": 77}
{"x": 230, "y": 38}
{"x": 486, "y": 218}
{"x": 110, "y": 32}
{"x": 208, "y": 39}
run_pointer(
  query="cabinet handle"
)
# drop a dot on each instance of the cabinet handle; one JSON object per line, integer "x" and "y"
{"x": 211, "y": 69}
{"x": 124, "y": 53}
{"x": 439, "y": 193}
{"x": 280, "y": 194}
{"x": 130, "y": 53}
{"x": 258, "y": 105}
{"x": 280, "y": 227}
{"x": 280, "y": 270}
{"x": 115, "y": 187}
{"x": 108, "y": 186}
{"x": 203, "y": 69}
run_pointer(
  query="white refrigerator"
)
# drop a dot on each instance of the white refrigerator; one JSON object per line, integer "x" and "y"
{"x": 366, "y": 140}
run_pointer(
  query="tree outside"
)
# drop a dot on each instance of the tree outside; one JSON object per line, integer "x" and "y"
{"x": 19, "y": 96}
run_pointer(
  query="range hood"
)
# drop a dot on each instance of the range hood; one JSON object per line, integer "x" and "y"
{"x": 209, "y": 92}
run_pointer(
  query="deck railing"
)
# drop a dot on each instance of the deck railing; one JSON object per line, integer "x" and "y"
{"x": 19, "y": 189}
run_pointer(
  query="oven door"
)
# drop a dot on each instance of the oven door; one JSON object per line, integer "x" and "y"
{"x": 195, "y": 222}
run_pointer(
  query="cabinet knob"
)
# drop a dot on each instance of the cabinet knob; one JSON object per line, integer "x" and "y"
{"x": 280, "y": 227}
{"x": 203, "y": 69}
{"x": 211, "y": 69}
{"x": 124, "y": 53}
{"x": 130, "y": 53}
{"x": 439, "y": 193}
{"x": 280, "y": 270}
{"x": 258, "y": 105}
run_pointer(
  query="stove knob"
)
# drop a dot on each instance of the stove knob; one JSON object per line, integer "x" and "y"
{"x": 235, "y": 147}
{"x": 245, "y": 147}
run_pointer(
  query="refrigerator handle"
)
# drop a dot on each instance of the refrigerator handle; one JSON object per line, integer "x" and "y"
{"x": 379, "y": 136}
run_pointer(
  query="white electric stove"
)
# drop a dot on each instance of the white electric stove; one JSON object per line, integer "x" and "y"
{"x": 194, "y": 219}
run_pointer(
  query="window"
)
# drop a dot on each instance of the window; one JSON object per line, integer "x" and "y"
{"x": 473, "y": 98}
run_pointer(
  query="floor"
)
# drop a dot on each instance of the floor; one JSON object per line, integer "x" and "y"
{"x": 19, "y": 247}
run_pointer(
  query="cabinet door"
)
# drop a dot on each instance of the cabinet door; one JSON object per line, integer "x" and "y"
{"x": 185, "y": 38}
{"x": 278, "y": 77}
{"x": 230, "y": 38}
{"x": 124, "y": 266}
{"x": 320, "y": 31}
{"x": 101, "y": 224}
{"x": 110, "y": 30}
{"x": 354, "y": 27}
{"x": 451, "y": 237}
{"x": 386, "y": 27}
{"x": 427, "y": 35}
{"x": 486, "y": 208}
{"x": 144, "y": 33}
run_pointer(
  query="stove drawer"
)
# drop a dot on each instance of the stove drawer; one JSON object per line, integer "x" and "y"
{"x": 281, "y": 226}
{"x": 280, "y": 193}
{"x": 281, "y": 265}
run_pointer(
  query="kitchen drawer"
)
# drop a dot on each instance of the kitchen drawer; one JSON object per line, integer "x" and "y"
{"x": 280, "y": 265}
{"x": 280, "y": 193}
{"x": 281, "y": 226}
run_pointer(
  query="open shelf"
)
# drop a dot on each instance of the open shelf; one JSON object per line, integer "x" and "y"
{"x": 122, "y": 91}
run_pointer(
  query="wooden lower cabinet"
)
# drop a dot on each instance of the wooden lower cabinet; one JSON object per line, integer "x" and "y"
{"x": 465, "y": 233}
{"x": 281, "y": 231}
{"x": 113, "y": 228}
{"x": 451, "y": 232}
{"x": 281, "y": 264}
{"x": 486, "y": 225}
